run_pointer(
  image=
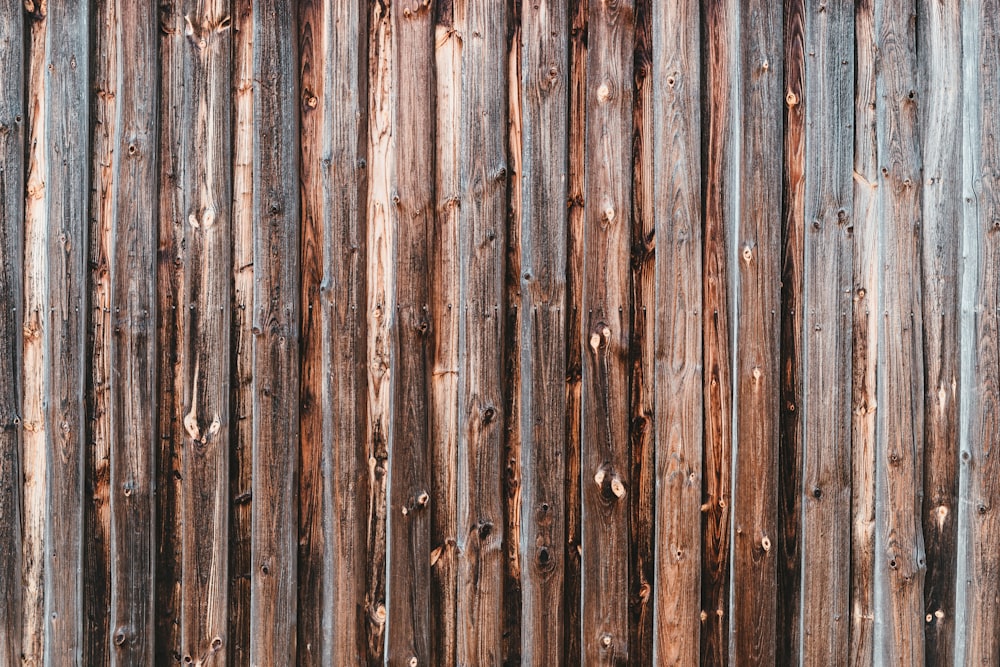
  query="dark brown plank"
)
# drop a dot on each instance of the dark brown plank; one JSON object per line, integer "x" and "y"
{"x": 899, "y": 554}
{"x": 412, "y": 215}
{"x": 758, "y": 257}
{"x": 826, "y": 347}
{"x": 718, "y": 19}
{"x": 542, "y": 394}
{"x": 679, "y": 421}
{"x": 604, "y": 434}
{"x": 276, "y": 335}
{"x": 12, "y": 109}
{"x": 940, "y": 60}
{"x": 241, "y": 335}
{"x": 67, "y": 47}
{"x": 865, "y": 342}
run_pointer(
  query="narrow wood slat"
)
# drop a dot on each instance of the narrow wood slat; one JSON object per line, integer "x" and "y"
{"x": 604, "y": 434}
{"x": 575, "y": 223}
{"x": 66, "y": 118}
{"x": 981, "y": 28}
{"x": 412, "y": 215}
{"x": 12, "y": 110}
{"x": 445, "y": 313}
{"x": 679, "y": 421}
{"x": 865, "y": 341}
{"x": 276, "y": 336}
{"x": 758, "y": 258}
{"x": 541, "y": 395}
{"x": 133, "y": 338}
{"x": 940, "y": 60}
{"x": 241, "y": 346}
{"x": 826, "y": 348}
{"x": 718, "y": 20}
{"x": 899, "y": 553}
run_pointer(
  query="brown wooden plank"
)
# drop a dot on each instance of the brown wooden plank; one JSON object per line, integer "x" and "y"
{"x": 981, "y": 28}
{"x": 65, "y": 182}
{"x": 482, "y": 221}
{"x": 133, "y": 349}
{"x": 575, "y": 223}
{"x": 241, "y": 346}
{"x": 541, "y": 395}
{"x": 444, "y": 313}
{"x": 718, "y": 55}
{"x": 758, "y": 256}
{"x": 641, "y": 356}
{"x": 678, "y": 353}
{"x": 12, "y": 109}
{"x": 791, "y": 445}
{"x": 412, "y": 215}
{"x": 380, "y": 277}
{"x": 276, "y": 336}
{"x": 940, "y": 55}
{"x": 899, "y": 553}
{"x": 606, "y": 303}
{"x": 865, "y": 343}
{"x": 200, "y": 41}
{"x": 826, "y": 349}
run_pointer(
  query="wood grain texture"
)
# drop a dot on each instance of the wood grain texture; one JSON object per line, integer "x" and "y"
{"x": 758, "y": 254}
{"x": 605, "y": 463}
{"x": 940, "y": 60}
{"x": 445, "y": 313}
{"x": 900, "y": 560}
{"x": 544, "y": 70}
{"x": 482, "y": 220}
{"x": 718, "y": 19}
{"x": 12, "y": 169}
{"x": 679, "y": 383}
{"x": 412, "y": 215}
{"x": 276, "y": 336}
{"x": 199, "y": 44}
{"x": 241, "y": 337}
{"x": 826, "y": 334}
{"x": 67, "y": 140}
{"x": 865, "y": 339}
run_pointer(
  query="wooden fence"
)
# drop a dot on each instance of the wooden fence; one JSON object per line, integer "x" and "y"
{"x": 477, "y": 332}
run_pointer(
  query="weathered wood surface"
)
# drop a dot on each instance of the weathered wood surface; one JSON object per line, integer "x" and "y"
{"x": 420, "y": 333}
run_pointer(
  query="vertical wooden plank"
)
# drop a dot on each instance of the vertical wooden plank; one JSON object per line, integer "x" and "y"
{"x": 200, "y": 104}
{"x": 12, "y": 108}
{"x": 97, "y": 511}
{"x": 35, "y": 331}
{"x": 276, "y": 336}
{"x": 482, "y": 220}
{"x": 981, "y": 581}
{"x": 641, "y": 354}
{"x": 542, "y": 393}
{"x": 575, "y": 222}
{"x": 412, "y": 214}
{"x": 865, "y": 338}
{"x": 380, "y": 280}
{"x": 940, "y": 54}
{"x": 66, "y": 180}
{"x": 678, "y": 347}
{"x": 604, "y": 434}
{"x": 133, "y": 317}
{"x": 719, "y": 151}
{"x": 445, "y": 312}
{"x": 826, "y": 348}
{"x": 241, "y": 346}
{"x": 757, "y": 334}
{"x": 899, "y": 550}
{"x": 791, "y": 445}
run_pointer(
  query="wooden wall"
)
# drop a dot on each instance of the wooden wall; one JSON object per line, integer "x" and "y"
{"x": 481, "y": 332}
